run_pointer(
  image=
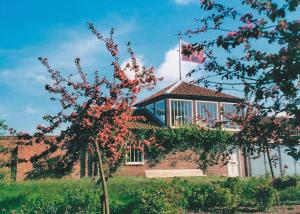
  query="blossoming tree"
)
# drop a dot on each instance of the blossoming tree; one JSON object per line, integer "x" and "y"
{"x": 258, "y": 53}
{"x": 94, "y": 115}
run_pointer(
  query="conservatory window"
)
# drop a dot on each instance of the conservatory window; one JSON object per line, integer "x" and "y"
{"x": 134, "y": 156}
{"x": 207, "y": 111}
{"x": 229, "y": 109}
{"x": 150, "y": 108}
{"x": 181, "y": 112}
{"x": 160, "y": 110}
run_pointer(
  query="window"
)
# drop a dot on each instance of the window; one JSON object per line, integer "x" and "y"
{"x": 181, "y": 112}
{"x": 207, "y": 111}
{"x": 134, "y": 156}
{"x": 160, "y": 110}
{"x": 228, "y": 110}
{"x": 150, "y": 108}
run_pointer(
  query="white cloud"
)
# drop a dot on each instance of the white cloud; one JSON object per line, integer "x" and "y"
{"x": 61, "y": 53}
{"x": 169, "y": 69}
{"x": 23, "y": 76}
{"x": 31, "y": 110}
{"x": 130, "y": 74}
{"x": 184, "y": 2}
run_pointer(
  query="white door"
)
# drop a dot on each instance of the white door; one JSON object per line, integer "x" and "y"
{"x": 233, "y": 164}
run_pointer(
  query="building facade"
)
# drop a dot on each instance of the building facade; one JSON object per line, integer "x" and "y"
{"x": 179, "y": 104}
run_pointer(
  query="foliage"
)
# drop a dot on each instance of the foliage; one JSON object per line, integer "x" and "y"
{"x": 265, "y": 74}
{"x": 3, "y": 126}
{"x": 290, "y": 195}
{"x": 284, "y": 182}
{"x": 15, "y": 194}
{"x": 137, "y": 194}
{"x": 163, "y": 197}
{"x": 4, "y": 174}
{"x": 209, "y": 147}
{"x": 257, "y": 193}
{"x": 212, "y": 197}
{"x": 66, "y": 200}
{"x": 237, "y": 59}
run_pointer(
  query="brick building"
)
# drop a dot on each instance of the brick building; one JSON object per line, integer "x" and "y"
{"x": 175, "y": 105}
{"x": 180, "y": 104}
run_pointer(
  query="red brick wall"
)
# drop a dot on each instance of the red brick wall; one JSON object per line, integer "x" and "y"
{"x": 171, "y": 162}
{"x": 25, "y": 153}
{"x": 178, "y": 161}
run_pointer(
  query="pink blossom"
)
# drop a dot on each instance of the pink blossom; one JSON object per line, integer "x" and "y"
{"x": 232, "y": 33}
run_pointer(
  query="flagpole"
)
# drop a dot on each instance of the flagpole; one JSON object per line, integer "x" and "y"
{"x": 179, "y": 51}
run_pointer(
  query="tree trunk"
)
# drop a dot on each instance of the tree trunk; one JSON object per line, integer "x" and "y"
{"x": 272, "y": 172}
{"x": 246, "y": 168}
{"x": 270, "y": 162}
{"x": 103, "y": 182}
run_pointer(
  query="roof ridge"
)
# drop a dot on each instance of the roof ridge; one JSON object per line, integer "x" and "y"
{"x": 209, "y": 89}
{"x": 183, "y": 88}
{"x": 174, "y": 86}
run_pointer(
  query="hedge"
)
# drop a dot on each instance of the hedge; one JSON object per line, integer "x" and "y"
{"x": 153, "y": 196}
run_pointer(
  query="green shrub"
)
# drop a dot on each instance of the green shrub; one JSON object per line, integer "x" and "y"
{"x": 4, "y": 174}
{"x": 66, "y": 200}
{"x": 212, "y": 196}
{"x": 120, "y": 206}
{"x": 162, "y": 197}
{"x": 290, "y": 194}
{"x": 284, "y": 182}
{"x": 140, "y": 195}
{"x": 257, "y": 193}
{"x": 234, "y": 184}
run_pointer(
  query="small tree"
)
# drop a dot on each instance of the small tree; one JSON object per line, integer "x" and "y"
{"x": 95, "y": 113}
{"x": 237, "y": 59}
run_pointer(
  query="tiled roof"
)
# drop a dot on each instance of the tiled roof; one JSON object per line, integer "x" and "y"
{"x": 148, "y": 122}
{"x": 157, "y": 94}
{"x": 183, "y": 89}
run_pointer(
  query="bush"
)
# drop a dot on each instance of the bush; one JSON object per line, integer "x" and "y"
{"x": 257, "y": 193}
{"x": 140, "y": 195}
{"x": 290, "y": 194}
{"x": 284, "y": 182}
{"x": 212, "y": 196}
{"x": 161, "y": 197}
{"x": 4, "y": 174}
{"x": 66, "y": 200}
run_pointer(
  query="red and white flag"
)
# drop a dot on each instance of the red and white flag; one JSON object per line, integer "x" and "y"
{"x": 195, "y": 56}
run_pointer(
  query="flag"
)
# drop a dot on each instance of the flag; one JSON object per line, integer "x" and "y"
{"x": 195, "y": 56}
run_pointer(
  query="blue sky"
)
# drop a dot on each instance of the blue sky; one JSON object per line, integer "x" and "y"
{"x": 58, "y": 29}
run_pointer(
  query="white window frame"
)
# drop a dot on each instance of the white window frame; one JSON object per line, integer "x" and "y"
{"x": 170, "y": 110}
{"x": 204, "y": 101}
{"x": 222, "y": 118}
{"x": 141, "y": 162}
